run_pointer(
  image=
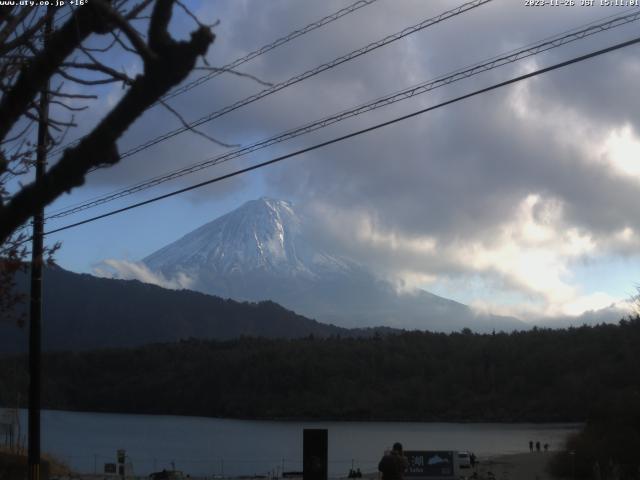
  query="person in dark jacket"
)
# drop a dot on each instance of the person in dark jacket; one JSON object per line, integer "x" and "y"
{"x": 393, "y": 464}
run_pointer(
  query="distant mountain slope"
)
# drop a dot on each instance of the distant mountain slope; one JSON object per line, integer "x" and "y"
{"x": 262, "y": 250}
{"x": 82, "y": 312}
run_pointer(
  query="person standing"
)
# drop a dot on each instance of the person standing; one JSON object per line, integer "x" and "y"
{"x": 537, "y": 446}
{"x": 531, "y": 445}
{"x": 393, "y": 464}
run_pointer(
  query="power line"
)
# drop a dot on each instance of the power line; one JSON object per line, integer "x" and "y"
{"x": 354, "y": 134}
{"x": 281, "y": 41}
{"x": 303, "y": 76}
{"x": 250, "y": 56}
{"x": 298, "y": 78}
{"x": 494, "y": 62}
{"x": 309, "y": 73}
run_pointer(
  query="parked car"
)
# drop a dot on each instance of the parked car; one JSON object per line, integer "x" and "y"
{"x": 167, "y": 475}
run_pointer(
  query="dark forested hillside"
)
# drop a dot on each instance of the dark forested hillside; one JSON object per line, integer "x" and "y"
{"x": 83, "y": 312}
{"x": 539, "y": 375}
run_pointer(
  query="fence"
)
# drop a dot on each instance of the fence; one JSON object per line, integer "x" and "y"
{"x": 215, "y": 468}
{"x": 9, "y": 429}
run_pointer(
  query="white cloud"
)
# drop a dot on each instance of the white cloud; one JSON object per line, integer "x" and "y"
{"x": 591, "y": 302}
{"x": 408, "y": 281}
{"x": 368, "y": 233}
{"x": 532, "y": 252}
{"x": 525, "y": 265}
{"x": 621, "y": 150}
{"x": 126, "y": 270}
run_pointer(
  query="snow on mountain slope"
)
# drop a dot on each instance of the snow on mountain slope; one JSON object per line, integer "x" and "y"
{"x": 262, "y": 236}
{"x": 261, "y": 251}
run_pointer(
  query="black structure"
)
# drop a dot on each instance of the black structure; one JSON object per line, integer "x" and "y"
{"x": 315, "y": 448}
{"x": 35, "y": 312}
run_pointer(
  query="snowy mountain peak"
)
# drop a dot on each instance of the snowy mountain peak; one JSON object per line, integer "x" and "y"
{"x": 263, "y": 235}
{"x": 263, "y": 250}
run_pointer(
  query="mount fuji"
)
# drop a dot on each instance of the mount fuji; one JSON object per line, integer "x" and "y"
{"x": 262, "y": 251}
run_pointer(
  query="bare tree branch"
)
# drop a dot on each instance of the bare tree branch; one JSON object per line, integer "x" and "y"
{"x": 190, "y": 14}
{"x": 26, "y": 34}
{"x": 138, "y": 43}
{"x": 135, "y": 11}
{"x": 12, "y": 24}
{"x": 169, "y": 64}
{"x": 32, "y": 78}
{"x": 98, "y": 66}
{"x": 82, "y": 81}
{"x": 197, "y": 132}
{"x": 17, "y": 135}
{"x": 106, "y": 48}
{"x": 121, "y": 42}
{"x": 68, "y": 107}
{"x": 5, "y": 12}
{"x": 72, "y": 95}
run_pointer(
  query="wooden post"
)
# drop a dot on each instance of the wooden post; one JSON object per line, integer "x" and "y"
{"x": 35, "y": 312}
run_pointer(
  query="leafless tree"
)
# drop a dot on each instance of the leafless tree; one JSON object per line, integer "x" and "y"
{"x": 78, "y": 51}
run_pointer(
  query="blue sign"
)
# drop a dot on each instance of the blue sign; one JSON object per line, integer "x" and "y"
{"x": 429, "y": 463}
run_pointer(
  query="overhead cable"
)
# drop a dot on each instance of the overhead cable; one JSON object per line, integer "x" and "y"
{"x": 281, "y": 41}
{"x": 353, "y": 134}
{"x": 404, "y": 94}
{"x": 250, "y": 56}
{"x": 309, "y": 73}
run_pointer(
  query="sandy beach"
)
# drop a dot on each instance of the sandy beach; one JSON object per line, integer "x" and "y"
{"x": 522, "y": 466}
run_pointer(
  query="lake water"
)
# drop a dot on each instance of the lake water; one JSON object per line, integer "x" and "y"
{"x": 209, "y": 446}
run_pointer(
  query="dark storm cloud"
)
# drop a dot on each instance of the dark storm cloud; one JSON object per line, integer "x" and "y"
{"x": 454, "y": 176}
{"x": 464, "y": 171}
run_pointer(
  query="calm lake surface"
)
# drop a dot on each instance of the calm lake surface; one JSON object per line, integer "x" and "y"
{"x": 209, "y": 446}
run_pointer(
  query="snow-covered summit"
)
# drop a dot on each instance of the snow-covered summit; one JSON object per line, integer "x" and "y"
{"x": 264, "y": 235}
{"x": 263, "y": 251}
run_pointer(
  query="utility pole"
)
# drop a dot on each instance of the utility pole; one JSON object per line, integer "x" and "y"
{"x": 35, "y": 312}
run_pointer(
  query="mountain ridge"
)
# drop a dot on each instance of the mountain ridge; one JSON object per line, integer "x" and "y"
{"x": 263, "y": 250}
{"x": 83, "y": 312}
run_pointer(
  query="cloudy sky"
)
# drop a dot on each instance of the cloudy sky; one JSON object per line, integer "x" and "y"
{"x": 520, "y": 201}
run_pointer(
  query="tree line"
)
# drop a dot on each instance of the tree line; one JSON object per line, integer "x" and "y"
{"x": 538, "y": 375}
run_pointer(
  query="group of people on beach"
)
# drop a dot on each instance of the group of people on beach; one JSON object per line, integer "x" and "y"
{"x": 354, "y": 473}
{"x": 537, "y": 445}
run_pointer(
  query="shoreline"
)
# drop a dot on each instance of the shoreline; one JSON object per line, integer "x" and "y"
{"x": 516, "y": 466}
{"x": 294, "y": 419}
